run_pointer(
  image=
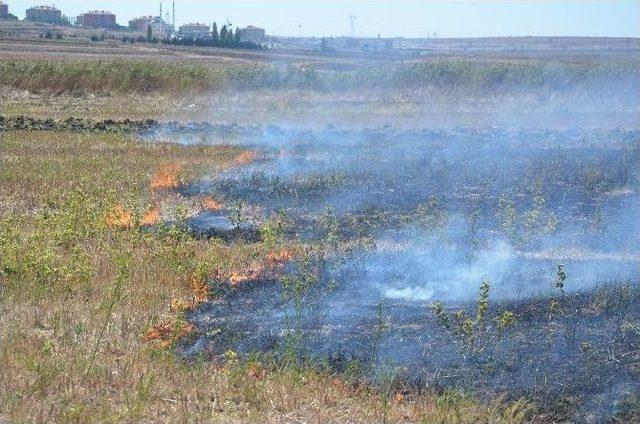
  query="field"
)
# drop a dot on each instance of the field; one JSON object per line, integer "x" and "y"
{"x": 191, "y": 235}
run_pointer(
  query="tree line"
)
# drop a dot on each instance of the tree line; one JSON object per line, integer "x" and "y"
{"x": 226, "y": 37}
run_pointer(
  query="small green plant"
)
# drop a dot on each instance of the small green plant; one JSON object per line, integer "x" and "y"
{"x": 441, "y": 315}
{"x": 561, "y": 277}
{"x": 505, "y": 320}
{"x": 124, "y": 270}
{"x": 483, "y": 302}
{"x": 330, "y": 225}
{"x": 237, "y": 217}
{"x": 272, "y": 231}
{"x": 470, "y": 330}
{"x": 538, "y": 220}
{"x": 507, "y": 216}
{"x": 381, "y": 326}
{"x": 295, "y": 286}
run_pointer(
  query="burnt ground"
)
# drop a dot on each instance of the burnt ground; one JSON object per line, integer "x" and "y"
{"x": 577, "y": 356}
{"x": 400, "y": 220}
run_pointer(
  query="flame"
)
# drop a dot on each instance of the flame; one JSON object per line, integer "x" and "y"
{"x": 210, "y": 204}
{"x": 239, "y": 277}
{"x": 199, "y": 294}
{"x": 167, "y": 176}
{"x": 119, "y": 217}
{"x": 167, "y": 332}
{"x": 200, "y": 290}
{"x": 245, "y": 157}
{"x": 279, "y": 257}
{"x": 151, "y": 217}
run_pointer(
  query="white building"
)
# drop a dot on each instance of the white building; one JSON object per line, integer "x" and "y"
{"x": 252, "y": 33}
{"x": 161, "y": 30}
{"x": 196, "y": 31}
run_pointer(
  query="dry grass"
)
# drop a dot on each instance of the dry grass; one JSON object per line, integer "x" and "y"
{"x": 78, "y": 298}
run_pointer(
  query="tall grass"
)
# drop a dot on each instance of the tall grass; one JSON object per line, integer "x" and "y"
{"x": 135, "y": 76}
{"x": 108, "y": 76}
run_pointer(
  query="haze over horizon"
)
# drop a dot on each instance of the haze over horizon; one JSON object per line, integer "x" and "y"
{"x": 404, "y": 18}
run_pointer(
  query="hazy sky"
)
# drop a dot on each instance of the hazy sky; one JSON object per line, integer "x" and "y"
{"x": 453, "y": 18}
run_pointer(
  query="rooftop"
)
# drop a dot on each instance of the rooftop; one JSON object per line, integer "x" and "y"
{"x": 98, "y": 12}
{"x": 43, "y": 8}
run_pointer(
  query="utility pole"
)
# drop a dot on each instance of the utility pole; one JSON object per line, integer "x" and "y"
{"x": 174, "y": 15}
{"x": 352, "y": 26}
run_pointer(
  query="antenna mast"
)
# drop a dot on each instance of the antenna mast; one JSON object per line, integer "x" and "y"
{"x": 352, "y": 26}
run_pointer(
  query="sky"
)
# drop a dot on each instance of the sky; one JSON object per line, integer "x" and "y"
{"x": 389, "y": 18}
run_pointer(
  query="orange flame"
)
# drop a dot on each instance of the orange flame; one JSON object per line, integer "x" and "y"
{"x": 167, "y": 332}
{"x": 167, "y": 176}
{"x": 199, "y": 294}
{"x": 210, "y": 204}
{"x": 239, "y": 277}
{"x": 151, "y": 217}
{"x": 200, "y": 290}
{"x": 118, "y": 217}
{"x": 245, "y": 157}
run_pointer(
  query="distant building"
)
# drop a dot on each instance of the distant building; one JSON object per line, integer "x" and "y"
{"x": 252, "y": 33}
{"x": 44, "y": 14}
{"x": 4, "y": 11}
{"x": 366, "y": 44}
{"x": 141, "y": 24}
{"x": 196, "y": 31}
{"x": 97, "y": 19}
{"x": 161, "y": 30}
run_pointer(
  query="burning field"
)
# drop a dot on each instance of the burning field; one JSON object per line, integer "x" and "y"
{"x": 498, "y": 262}
{"x": 368, "y": 241}
{"x": 493, "y": 260}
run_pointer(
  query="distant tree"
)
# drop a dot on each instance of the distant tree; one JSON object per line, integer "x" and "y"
{"x": 223, "y": 35}
{"x": 237, "y": 36}
{"x": 149, "y": 34}
{"x": 215, "y": 37}
{"x": 323, "y": 44}
{"x": 12, "y": 17}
